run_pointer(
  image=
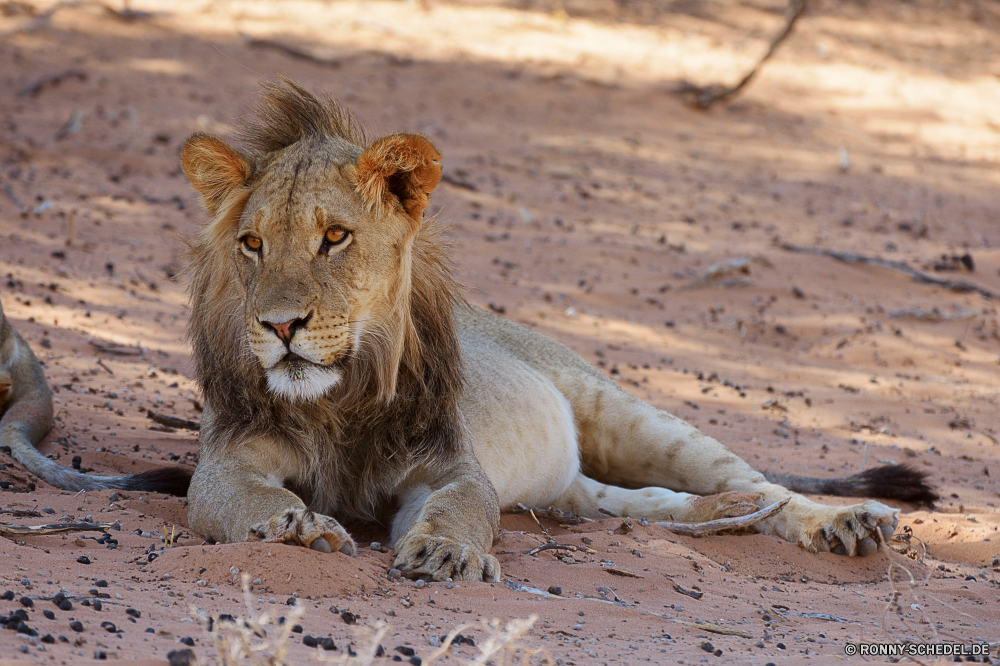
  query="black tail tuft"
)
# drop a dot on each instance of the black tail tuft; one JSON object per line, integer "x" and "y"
{"x": 898, "y": 482}
{"x": 167, "y": 480}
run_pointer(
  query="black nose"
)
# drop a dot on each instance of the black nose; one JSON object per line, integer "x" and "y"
{"x": 286, "y": 330}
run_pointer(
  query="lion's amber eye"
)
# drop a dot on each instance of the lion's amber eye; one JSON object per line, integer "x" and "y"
{"x": 252, "y": 243}
{"x": 335, "y": 236}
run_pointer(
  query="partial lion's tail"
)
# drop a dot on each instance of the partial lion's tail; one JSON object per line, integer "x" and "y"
{"x": 899, "y": 482}
{"x": 18, "y": 436}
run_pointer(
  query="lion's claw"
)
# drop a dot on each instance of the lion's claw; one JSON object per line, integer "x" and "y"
{"x": 439, "y": 558}
{"x": 853, "y": 530}
{"x": 305, "y": 528}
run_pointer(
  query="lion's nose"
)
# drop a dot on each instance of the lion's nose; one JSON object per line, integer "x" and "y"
{"x": 285, "y": 330}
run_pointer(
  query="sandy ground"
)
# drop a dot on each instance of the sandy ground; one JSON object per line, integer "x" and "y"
{"x": 584, "y": 200}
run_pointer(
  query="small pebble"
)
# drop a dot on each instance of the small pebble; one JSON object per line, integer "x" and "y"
{"x": 309, "y": 641}
{"x": 27, "y": 602}
{"x": 47, "y": 638}
{"x": 327, "y": 644}
{"x": 76, "y": 626}
{"x": 97, "y": 605}
{"x": 395, "y": 574}
{"x": 7, "y": 596}
{"x": 101, "y": 583}
{"x": 297, "y": 629}
{"x": 185, "y": 657}
{"x": 134, "y": 613}
{"x": 65, "y": 605}
{"x": 555, "y": 589}
{"x": 49, "y": 615}
{"x": 109, "y": 627}
{"x": 348, "y": 617}
{"x": 419, "y": 583}
{"x": 83, "y": 559}
{"x": 187, "y": 640}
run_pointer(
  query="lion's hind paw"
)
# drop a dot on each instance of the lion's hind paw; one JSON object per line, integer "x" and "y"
{"x": 855, "y": 530}
{"x": 304, "y": 528}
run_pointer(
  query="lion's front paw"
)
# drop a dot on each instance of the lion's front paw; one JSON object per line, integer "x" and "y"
{"x": 852, "y": 530}
{"x": 438, "y": 558}
{"x": 304, "y": 528}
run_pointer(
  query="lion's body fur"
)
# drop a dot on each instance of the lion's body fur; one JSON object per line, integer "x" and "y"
{"x": 393, "y": 387}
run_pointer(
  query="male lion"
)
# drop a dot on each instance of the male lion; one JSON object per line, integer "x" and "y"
{"x": 342, "y": 370}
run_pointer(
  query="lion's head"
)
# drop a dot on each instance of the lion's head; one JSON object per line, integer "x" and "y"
{"x": 308, "y": 261}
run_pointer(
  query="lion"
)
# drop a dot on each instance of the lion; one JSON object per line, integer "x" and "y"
{"x": 26, "y": 417}
{"x": 345, "y": 376}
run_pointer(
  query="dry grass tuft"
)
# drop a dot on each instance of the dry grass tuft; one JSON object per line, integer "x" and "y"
{"x": 258, "y": 640}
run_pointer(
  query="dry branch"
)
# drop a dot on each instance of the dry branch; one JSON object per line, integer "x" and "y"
{"x": 108, "y": 347}
{"x": 554, "y": 514}
{"x": 560, "y": 546}
{"x": 681, "y": 590}
{"x": 704, "y": 97}
{"x": 291, "y": 51}
{"x": 919, "y": 276}
{"x": 38, "y": 84}
{"x": 723, "y": 524}
{"x": 700, "y": 626}
{"x": 173, "y": 421}
{"x": 54, "y": 528}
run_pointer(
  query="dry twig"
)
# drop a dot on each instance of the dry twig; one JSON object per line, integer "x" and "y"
{"x": 107, "y": 347}
{"x": 172, "y": 421}
{"x": 704, "y": 97}
{"x": 723, "y": 524}
{"x": 53, "y": 528}
{"x": 560, "y": 546}
{"x": 36, "y": 86}
{"x": 919, "y": 276}
{"x": 291, "y": 51}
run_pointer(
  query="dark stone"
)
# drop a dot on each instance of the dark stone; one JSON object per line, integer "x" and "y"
{"x": 76, "y": 626}
{"x": 185, "y": 657}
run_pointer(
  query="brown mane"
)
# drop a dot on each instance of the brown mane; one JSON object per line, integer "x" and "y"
{"x": 378, "y": 421}
{"x": 288, "y": 113}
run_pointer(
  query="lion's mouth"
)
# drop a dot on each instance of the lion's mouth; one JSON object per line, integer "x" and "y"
{"x": 293, "y": 361}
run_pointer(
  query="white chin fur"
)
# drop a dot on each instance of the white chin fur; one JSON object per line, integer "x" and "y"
{"x": 302, "y": 383}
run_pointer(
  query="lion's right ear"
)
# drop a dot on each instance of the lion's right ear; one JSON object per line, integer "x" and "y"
{"x": 213, "y": 168}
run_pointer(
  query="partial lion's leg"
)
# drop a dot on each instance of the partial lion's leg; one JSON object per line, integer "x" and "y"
{"x": 446, "y": 524}
{"x": 592, "y": 499}
{"x": 240, "y": 496}
{"x": 627, "y": 441}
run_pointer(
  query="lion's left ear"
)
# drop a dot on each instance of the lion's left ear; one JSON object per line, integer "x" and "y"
{"x": 404, "y": 166}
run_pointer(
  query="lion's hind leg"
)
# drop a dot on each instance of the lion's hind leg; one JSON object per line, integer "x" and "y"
{"x": 592, "y": 499}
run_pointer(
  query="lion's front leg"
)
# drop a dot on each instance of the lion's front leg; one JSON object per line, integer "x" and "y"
{"x": 447, "y": 523}
{"x": 238, "y": 497}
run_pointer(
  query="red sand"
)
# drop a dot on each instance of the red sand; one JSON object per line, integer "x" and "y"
{"x": 583, "y": 200}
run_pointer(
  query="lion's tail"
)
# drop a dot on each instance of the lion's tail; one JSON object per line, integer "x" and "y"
{"x": 168, "y": 480}
{"x": 899, "y": 482}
